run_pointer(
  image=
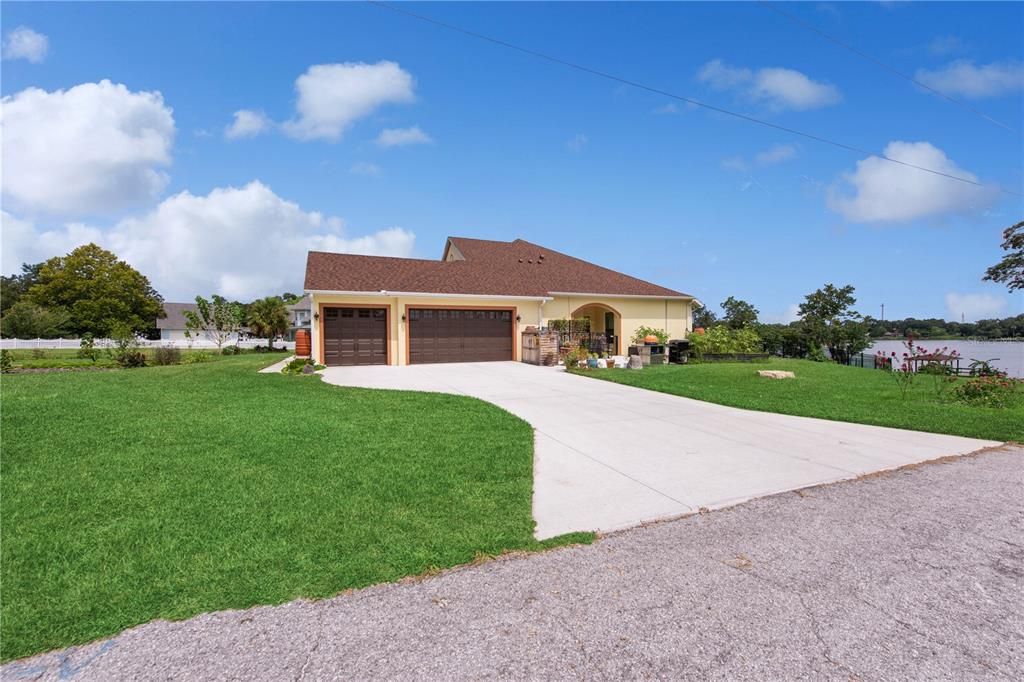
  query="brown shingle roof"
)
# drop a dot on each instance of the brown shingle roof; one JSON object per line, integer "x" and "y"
{"x": 516, "y": 268}
{"x": 175, "y": 315}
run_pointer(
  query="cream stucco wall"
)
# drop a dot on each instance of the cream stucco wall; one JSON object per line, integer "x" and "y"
{"x": 527, "y": 309}
{"x": 672, "y": 315}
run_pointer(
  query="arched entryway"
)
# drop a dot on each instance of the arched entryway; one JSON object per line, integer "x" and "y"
{"x": 605, "y": 320}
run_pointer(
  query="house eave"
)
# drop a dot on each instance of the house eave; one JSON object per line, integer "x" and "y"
{"x": 422, "y": 294}
{"x": 647, "y": 296}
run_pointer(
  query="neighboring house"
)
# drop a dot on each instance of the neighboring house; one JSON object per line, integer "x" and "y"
{"x": 473, "y": 304}
{"x": 172, "y": 327}
{"x": 299, "y": 316}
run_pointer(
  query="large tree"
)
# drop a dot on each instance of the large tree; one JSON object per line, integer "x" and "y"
{"x": 99, "y": 291}
{"x": 13, "y": 287}
{"x": 1010, "y": 270}
{"x": 26, "y": 320}
{"x": 739, "y": 314}
{"x": 703, "y": 316}
{"x": 827, "y": 318}
{"x": 268, "y": 317}
{"x": 217, "y": 319}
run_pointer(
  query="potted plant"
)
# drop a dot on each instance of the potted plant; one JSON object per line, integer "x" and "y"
{"x": 592, "y": 361}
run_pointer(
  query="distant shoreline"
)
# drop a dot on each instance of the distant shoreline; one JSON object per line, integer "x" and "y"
{"x": 949, "y": 338}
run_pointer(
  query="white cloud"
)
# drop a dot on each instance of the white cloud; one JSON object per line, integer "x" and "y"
{"x": 777, "y": 88}
{"x": 365, "y": 168}
{"x": 735, "y": 163}
{"x": 24, "y": 43}
{"x": 775, "y": 154}
{"x": 974, "y": 307}
{"x": 887, "y": 192}
{"x": 944, "y": 45}
{"x": 964, "y": 78}
{"x": 242, "y": 242}
{"x": 247, "y": 123}
{"x": 577, "y": 142}
{"x": 790, "y": 314}
{"x": 675, "y": 108}
{"x": 21, "y": 243}
{"x": 333, "y": 96}
{"x": 721, "y": 76}
{"x": 93, "y": 148}
{"x": 400, "y": 137}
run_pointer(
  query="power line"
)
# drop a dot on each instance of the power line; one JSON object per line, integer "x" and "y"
{"x": 665, "y": 93}
{"x": 878, "y": 62}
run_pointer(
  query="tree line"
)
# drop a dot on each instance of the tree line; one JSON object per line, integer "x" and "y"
{"x": 829, "y": 326}
{"x": 91, "y": 293}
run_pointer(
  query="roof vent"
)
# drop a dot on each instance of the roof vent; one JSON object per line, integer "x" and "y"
{"x": 530, "y": 261}
{"x": 520, "y": 260}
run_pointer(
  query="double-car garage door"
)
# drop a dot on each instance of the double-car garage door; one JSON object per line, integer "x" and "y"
{"x": 359, "y": 336}
{"x": 459, "y": 335}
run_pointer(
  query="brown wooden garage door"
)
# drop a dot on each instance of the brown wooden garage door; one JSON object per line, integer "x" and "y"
{"x": 459, "y": 335}
{"x": 355, "y": 336}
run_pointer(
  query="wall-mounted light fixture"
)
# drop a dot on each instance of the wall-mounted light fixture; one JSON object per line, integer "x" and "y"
{"x": 403, "y": 318}
{"x": 316, "y": 316}
{"x": 519, "y": 318}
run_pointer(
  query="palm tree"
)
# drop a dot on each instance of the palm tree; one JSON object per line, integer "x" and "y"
{"x": 268, "y": 317}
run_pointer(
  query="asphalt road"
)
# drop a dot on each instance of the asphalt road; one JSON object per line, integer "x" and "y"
{"x": 916, "y": 574}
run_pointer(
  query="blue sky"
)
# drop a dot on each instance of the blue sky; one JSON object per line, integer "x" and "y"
{"x": 491, "y": 143}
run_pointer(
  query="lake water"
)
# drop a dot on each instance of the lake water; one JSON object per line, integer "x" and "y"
{"x": 1010, "y": 354}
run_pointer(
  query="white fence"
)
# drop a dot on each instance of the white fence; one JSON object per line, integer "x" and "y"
{"x": 51, "y": 344}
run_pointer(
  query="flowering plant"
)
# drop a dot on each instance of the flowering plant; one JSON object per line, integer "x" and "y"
{"x": 902, "y": 373}
{"x": 987, "y": 391}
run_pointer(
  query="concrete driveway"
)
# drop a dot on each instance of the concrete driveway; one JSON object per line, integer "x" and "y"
{"x": 609, "y": 456}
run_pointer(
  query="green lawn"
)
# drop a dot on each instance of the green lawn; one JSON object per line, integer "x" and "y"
{"x": 164, "y": 492}
{"x": 829, "y": 391}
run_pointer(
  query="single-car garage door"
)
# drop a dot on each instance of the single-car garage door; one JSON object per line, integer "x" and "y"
{"x": 355, "y": 336}
{"x": 459, "y": 335}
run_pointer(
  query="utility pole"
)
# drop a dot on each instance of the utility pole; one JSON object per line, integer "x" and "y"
{"x": 883, "y": 313}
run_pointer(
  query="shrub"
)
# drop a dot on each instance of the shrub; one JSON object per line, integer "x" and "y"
{"x": 816, "y": 353}
{"x": 573, "y": 357}
{"x": 6, "y": 362}
{"x": 297, "y": 365}
{"x": 942, "y": 377}
{"x": 230, "y": 350}
{"x": 643, "y": 332}
{"x": 902, "y": 374}
{"x": 196, "y": 357}
{"x": 87, "y": 348}
{"x": 722, "y": 339}
{"x": 38, "y": 354}
{"x": 984, "y": 368}
{"x": 166, "y": 355}
{"x": 126, "y": 351}
{"x": 986, "y": 391}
